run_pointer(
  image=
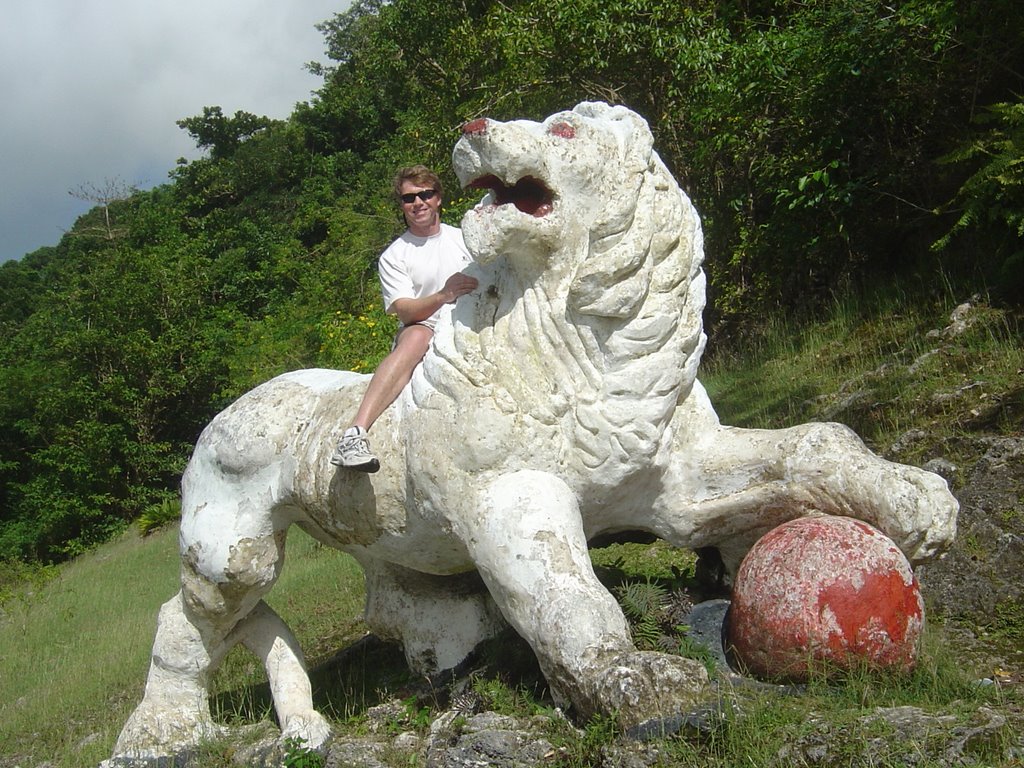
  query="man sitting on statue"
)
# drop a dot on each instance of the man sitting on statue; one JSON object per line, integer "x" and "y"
{"x": 420, "y": 277}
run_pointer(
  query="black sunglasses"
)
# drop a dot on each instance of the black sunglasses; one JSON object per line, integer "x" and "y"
{"x": 423, "y": 194}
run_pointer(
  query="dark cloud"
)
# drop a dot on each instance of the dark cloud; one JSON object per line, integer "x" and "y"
{"x": 91, "y": 91}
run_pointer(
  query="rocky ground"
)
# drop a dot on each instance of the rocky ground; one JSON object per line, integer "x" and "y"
{"x": 979, "y": 585}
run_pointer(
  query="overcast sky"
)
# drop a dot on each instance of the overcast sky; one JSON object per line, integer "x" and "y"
{"x": 90, "y": 91}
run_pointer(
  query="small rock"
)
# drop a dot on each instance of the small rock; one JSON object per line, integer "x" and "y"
{"x": 943, "y": 468}
{"x": 407, "y": 741}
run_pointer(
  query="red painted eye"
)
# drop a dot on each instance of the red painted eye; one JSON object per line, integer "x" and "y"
{"x": 563, "y": 130}
{"x": 475, "y": 126}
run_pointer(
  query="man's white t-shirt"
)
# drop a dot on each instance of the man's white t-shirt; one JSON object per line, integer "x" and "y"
{"x": 413, "y": 267}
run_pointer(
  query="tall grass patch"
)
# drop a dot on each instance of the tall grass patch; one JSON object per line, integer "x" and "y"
{"x": 840, "y": 719}
{"x": 883, "y": 367}
{"x": 74, "y": 650}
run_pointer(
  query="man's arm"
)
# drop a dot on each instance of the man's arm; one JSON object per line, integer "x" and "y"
{"x": 411, "y": 311}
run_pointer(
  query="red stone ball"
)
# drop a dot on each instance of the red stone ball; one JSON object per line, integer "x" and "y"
{"x": 824, "y": 593}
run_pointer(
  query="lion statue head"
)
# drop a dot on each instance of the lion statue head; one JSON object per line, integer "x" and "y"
{"x": 592, "y": 257}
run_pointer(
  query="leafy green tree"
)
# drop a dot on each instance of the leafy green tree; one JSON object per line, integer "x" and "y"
{"x": 220, "y": 134}
{"x": 116, "y": 371}
{"x": 20, "y": 285}
{"x": 990, "y": 203}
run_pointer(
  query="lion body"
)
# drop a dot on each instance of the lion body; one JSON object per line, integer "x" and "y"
{"x": 560, "y": 402}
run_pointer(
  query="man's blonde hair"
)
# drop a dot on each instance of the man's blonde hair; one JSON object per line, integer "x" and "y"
{"x": 419, "y": 175}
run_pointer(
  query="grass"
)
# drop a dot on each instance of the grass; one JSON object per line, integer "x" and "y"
{"x": 883, "y": 369}
{"x": 75, "y": 640}
{"x": 74, "y": 649}
{"x": 765, "y": 727}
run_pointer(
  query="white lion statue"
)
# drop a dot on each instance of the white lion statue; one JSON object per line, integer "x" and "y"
{"x": 561, "y": 402}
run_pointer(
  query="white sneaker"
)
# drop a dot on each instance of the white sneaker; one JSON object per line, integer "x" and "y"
{"x": 353, "y": 451}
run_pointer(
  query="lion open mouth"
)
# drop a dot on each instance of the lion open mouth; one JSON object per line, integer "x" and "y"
{"x": 529, "y": 195}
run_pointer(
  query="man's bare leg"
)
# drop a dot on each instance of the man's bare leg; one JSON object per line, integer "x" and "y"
{"x": 393, "y": 373}
{"x": 388, "y": 380}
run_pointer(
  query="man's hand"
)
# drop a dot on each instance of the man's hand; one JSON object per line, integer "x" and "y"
{"x": 458, "y": 285}
{"x": 411, "y": 311}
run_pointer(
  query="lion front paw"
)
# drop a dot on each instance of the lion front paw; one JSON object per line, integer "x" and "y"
{"x": 154, "y": 731}
{"x": 924, "y": 513}
{"x": 310, "y": 728}
{"x": 641, "y": 686}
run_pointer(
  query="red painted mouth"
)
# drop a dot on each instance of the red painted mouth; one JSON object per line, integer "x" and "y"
{"x": 529, "y": 195}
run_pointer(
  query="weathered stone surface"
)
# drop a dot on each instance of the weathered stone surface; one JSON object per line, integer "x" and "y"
{"x": 911, "y": 736}
{"x": 356, "y": 753}
{"x": 558, "y": 402}
{"x": 486, "y": 739}
{"x": 982, "y": 570}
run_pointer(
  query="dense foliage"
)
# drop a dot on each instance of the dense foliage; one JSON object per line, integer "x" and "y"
{"x": 828, "y": 145}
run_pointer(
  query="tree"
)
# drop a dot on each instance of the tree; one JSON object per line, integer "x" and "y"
{"x": 220, "y": 134}
{"x": 107, "y": 384}
{"x": 990, "y": 203}
{"x": 104, "y": 196}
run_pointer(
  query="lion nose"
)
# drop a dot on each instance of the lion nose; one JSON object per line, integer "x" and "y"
{"x": 477, "y": 126}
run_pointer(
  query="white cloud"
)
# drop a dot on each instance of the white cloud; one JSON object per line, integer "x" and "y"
{"x": 91, "y": 90}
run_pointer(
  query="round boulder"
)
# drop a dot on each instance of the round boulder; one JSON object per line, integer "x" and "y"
{"x": 823, "y": 593}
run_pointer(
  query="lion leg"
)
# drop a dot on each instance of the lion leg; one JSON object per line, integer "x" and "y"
{"x": 751, "y": 480}
{"x": 529, "y": 544}
{"x": 175, "y": 710}
{"x": 225, "y": 579}
{"x": 232, "y": 554}
{"x": 265, "y": 634}
{"x": 191, "y": 642}
{"x": 439, "y": 620}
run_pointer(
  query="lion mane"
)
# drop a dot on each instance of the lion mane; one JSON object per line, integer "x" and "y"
{"x": 597, "y": 299}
